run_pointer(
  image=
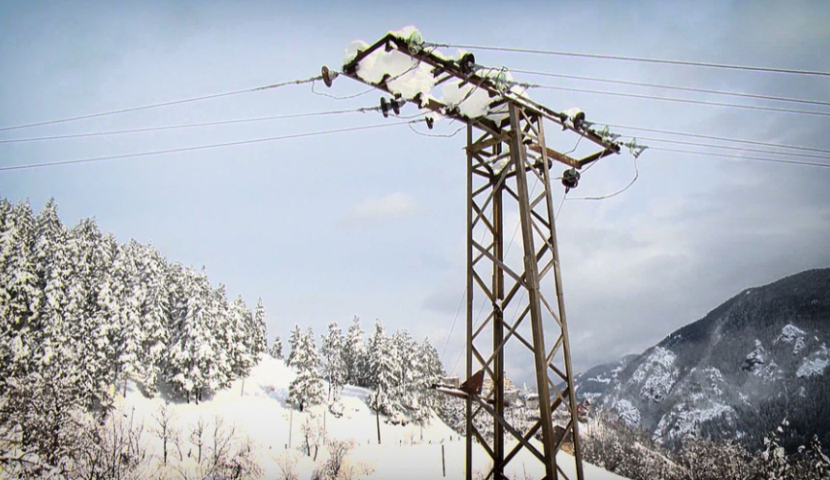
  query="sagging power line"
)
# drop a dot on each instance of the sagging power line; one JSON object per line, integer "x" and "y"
{"x": 675, "y": 87}
{"x": 679, "y": 100}
{"x": 163, "y": 104}
{"x": 199, "y": 147}
{"x": 640, "y": 59}
{"x": 193, "y": 125}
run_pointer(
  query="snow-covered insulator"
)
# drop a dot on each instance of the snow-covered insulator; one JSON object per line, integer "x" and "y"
{"x": 467, "y": 63}
{"x": 570, "y": 178}
{"x": 328, "y": 76}
{"x": 576, "y": 116}
{"x": 415, "y": 43}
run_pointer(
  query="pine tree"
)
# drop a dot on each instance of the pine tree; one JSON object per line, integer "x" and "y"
{"x": 276, "y": 348}
{"x": 354, "y": 353}
{"x": 405, "y": 363}
{"x": 428, "y": 371}
{"x": 260, "y": 343}
{"x": 293, "y": 344}
{"x": 333, "y": 368}
{"x": 382, "y": 370}
{"x": 151, "y": 271}
{"x": 307, "y": 387}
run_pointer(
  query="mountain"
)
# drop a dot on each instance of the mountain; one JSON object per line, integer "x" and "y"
{"x": 758, "y": 358}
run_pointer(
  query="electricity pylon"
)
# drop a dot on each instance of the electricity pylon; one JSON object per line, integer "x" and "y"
{"x": 508, "y": 168}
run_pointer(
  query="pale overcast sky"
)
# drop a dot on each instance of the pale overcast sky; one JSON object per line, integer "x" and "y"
{"x": 372, "y": 223}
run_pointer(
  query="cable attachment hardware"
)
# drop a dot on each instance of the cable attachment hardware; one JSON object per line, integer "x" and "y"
{"x": 430, "y": 122}
{"x": 634, "y": 148}
{"x": 328, "y": 76}
{"x": 395, "y": 105}
{"x": 570, "y": 179}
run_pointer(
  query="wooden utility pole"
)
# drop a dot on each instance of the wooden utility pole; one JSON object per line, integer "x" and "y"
{"x": 508, "y": 170}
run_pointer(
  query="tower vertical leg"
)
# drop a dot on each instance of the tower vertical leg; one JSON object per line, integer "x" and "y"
{"x": 498, "y": 330}
{"x": 518, "y": 154}
{"x": 560, "y": 300}
{"x": 468, "y": 464}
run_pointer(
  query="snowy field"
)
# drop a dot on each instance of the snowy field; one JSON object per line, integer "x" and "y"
{"x": 260, "y": 411}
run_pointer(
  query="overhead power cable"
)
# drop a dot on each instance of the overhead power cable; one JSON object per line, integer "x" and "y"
{"x": 742, "y": 157}
{"x": 163, "y": 104}
{"x": 191, "y": 125}
{"x": 680, "y": 100}
{"x": 713, "y": 137}
{"x": 675, "y": 87}
{"x": 198, "y": 147}
{"x": 726, "y": 147}
{"x": 641, "y": 59}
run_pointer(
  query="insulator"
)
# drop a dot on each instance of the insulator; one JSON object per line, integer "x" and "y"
{"x": 328, "y": 76}
{"x": 430, "y": 122}
{"x": 384, "y": 107}
{"x": 570, "y": 178}
{"x": 467, "y": 63}
{"x": 396, "y": 106}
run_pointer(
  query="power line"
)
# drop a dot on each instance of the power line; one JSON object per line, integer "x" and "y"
{"x": 603, "y": 197}
{"x": 163, "y": 104}
{"x": 713, "y": 137}
{"x": 725, "y": 147}
{"x": 742, "y": 157}
{"x": 674, "y": 87}
{"x": 191, "y": 125}
{"x": 198, "y": 147}
{"x": 642, "y": 59}
{"x": 680, "y": 100}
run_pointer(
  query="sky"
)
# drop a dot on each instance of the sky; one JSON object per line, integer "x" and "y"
{"x": 372, "y": 223}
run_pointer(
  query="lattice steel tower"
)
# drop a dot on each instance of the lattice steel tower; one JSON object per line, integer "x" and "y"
{"x": 508, "y": 171}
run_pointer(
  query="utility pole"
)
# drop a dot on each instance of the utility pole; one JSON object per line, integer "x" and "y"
{"x": 508, "y": 169}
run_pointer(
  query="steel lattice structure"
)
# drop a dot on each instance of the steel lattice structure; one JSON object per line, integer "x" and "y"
{"x": 508, "y": 169}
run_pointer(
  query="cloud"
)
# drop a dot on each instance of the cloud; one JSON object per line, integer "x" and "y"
{"x": 380, "y": 209}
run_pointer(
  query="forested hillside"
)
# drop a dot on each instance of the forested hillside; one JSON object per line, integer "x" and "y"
{"x": 83, "y": 312}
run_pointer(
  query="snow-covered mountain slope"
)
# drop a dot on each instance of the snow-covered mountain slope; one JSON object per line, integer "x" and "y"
{"x": 260, "y": 411}
{"x": 736, "y": 373}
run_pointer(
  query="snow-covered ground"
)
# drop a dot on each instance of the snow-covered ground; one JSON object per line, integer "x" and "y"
{"x": 260, "y": 411}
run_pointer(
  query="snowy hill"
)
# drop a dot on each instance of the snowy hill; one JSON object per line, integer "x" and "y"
{"x": 736, "y": 373}
{"x": 260, "y": 411}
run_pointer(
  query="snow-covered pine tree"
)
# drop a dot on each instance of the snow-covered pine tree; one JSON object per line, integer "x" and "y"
{"x": 19, "y": 295}
{"x": 276, "y": 348}
{"x": 194, "y": 346}
{"x": 427, "y": 372}
{"x": 260, "y": 344}
{"x": 307, "y": 387}
{"x": 151, "y": 272}
{"x": 293, "y": 344}
{"x": 20, "y": 298}
{"x": 90, "y": 256}
{"x": 52, "y": 270}
{"x": 334, "y": 370}
{"x": 244, "y": 344}
{"x": 127, "y": 338}
{"x": 354, "y": 353}
{"x": 405, "y": 363}
{"x": 382, "y": 369}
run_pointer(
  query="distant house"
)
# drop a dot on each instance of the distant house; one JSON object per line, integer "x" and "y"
{"x": 532, "y": 401}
